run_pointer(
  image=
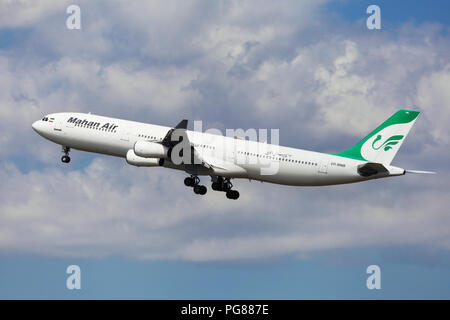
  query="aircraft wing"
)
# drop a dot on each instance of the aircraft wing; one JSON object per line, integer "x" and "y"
{"x": 214, "y": 165}
{"x": 221, "y": 167}
{"x": 178, "y": 130}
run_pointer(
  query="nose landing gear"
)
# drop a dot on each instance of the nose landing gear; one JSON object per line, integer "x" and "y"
{"x": 65, "y": 158}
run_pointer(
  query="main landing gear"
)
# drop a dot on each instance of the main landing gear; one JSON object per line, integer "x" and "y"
{"x": 65, "y": 158}
{"x": 219, "y": 184}
{"x": 225, "y": 185}
{"x": 193, "y": 181}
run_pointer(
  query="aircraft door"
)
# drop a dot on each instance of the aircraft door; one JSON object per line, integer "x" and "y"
{"x": 323, "y": 167}
{"x": 125, "y": 136}
{"x": 57, "y": 125}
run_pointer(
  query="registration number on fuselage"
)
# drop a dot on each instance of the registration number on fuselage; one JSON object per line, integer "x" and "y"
{"x": 338, "y": 164}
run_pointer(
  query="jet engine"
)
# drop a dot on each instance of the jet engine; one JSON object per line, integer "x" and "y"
{"x": 147, "y": 149}
{"x": 137, "y": 161}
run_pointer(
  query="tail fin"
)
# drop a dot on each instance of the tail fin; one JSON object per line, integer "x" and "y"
{"x": 382, "y": 144}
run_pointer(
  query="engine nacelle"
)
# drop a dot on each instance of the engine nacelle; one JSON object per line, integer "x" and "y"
{"x": 137, "y": 161}
{"x": 147, "y": 149}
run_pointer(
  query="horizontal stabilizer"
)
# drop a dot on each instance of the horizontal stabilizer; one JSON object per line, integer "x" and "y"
{"x": 420, "y": 172}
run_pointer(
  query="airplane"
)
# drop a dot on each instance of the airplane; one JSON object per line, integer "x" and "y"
{"x": 224, "y": 158}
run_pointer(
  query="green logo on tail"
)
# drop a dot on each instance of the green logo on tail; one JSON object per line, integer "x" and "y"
{"x": 392, "y": 141}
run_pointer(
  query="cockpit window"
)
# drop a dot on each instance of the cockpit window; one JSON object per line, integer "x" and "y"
{"x": 45, "y": 119}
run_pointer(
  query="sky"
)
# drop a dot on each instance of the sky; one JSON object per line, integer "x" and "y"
{"x": 311, "y": 69}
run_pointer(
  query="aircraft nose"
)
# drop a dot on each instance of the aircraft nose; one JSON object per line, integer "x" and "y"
{"x": 35, "y": 126}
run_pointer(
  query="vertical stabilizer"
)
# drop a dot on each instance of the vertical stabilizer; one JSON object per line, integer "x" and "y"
{"x": 382, "y": 144}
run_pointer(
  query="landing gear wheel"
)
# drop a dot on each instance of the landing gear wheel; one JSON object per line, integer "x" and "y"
{"x": 65, "y": 159}
{"x": 193, "y": 181}
{"x": 200, "y": 190}
{"x": 232, "y": 194}
{"x": 227, "y": 186}
{"x": 189, "y": 182}
{"x": 221, "y": 184}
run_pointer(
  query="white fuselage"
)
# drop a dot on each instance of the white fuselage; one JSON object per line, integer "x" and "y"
{"x": 254, "y": 160}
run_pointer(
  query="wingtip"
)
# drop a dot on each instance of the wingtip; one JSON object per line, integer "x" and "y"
{"x": 182, "y": 125}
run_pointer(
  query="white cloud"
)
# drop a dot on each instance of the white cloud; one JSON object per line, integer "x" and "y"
{"x": 79, "y": 85}
{"x": 165, "y": 91}
{"x": 433, "y": 94}
{"x": 24, "y": 13}
{"x": 113, "y": 209}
